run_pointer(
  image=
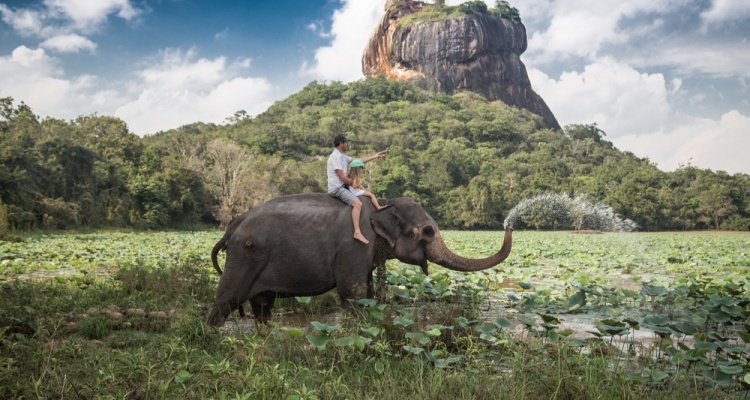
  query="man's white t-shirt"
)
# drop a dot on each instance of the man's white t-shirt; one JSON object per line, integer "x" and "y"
{"x": 337, "y": 160}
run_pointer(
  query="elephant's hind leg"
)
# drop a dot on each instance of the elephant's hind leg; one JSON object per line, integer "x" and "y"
{"x": 229, "y": 296}
{"x": 262, "y": 305}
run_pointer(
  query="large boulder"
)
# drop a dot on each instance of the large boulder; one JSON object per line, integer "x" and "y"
{"x": 475, "y": 51}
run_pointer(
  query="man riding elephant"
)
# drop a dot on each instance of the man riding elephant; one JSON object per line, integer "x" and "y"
{"x": 338, "y": 164}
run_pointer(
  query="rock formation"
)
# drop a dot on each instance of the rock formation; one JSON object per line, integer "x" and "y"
{"x": 478, "y": 52}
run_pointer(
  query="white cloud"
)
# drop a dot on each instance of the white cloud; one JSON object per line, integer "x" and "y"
{"x": 69, "y": 44}
{"x": 705, "y": 143}
{"x": 64, "y": 17}
{"x": 176, "y": 70}
{"x": 723, "y": 11}
{"x": 714, "y": 58}
{"x": 633, "y": 109}
{"x": 222, "y": 35}
{"x": 88, "y": 15}
{"x": 352, "y": 26}
{"x": 676, "y": 85}
{"x": 318, "y": 28}
{"x": 25, "y": 22}
{"x": 32, "y": 76}
{"x": 722, "y": 146}
{"x": 580, "y": 33}
{"x": 618, "y": 98}
{"x": 577, "y": 28}
{"x": 180, "y": 89}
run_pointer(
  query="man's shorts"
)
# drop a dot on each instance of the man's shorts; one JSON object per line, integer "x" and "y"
{"x": 344, "y": 194}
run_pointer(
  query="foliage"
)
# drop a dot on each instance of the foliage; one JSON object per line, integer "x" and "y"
{"x": 440, "y": 11}
{"x": 468, "y": 161}
{"x": 505, "y": 10}
{"x": 4, "y": 229}
{"x": 473, "y": 6}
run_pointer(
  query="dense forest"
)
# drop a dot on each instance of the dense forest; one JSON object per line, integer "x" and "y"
{"x": 467, "y": 160}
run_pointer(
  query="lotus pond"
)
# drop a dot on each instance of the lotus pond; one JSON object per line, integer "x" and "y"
{"x": 627, "y": 315}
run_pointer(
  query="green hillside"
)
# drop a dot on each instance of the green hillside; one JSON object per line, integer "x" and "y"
{"x": 467, "y": 160}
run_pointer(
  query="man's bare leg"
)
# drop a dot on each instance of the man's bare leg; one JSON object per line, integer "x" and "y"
{"x": 356, "y": 210}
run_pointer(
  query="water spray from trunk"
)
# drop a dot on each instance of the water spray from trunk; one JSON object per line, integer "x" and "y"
{"x": 560, "y": 211}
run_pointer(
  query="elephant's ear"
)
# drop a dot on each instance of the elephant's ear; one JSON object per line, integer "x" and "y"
{"x": 387, "y": 223}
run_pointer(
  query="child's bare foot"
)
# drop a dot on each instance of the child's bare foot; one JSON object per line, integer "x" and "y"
{"x": 359, "y": 236}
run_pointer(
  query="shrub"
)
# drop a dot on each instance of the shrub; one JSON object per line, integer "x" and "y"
{"x": 475, "y": 6}
{"x": 736, "y": 223}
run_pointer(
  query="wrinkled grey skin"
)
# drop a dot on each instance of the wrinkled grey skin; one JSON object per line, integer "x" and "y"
{"x": 302, "y": 245}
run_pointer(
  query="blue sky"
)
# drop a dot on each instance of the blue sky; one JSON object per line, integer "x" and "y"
{"x": 664, "y": 79}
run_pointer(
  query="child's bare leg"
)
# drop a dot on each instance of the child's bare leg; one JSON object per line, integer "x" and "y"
{"x": 356, "y": 210}
{"x": 374, "y": 200}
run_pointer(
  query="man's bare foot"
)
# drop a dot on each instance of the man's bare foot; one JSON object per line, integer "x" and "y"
{"x": 359, "y": 236}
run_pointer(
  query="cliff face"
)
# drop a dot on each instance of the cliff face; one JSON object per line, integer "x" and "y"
{"x": 478, "y": 52}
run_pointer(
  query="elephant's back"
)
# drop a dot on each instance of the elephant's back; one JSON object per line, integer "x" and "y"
{"x": 304, "y": 204}
{"x": 298, "y": 217}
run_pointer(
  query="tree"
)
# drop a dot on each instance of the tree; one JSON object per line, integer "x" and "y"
{"x": 473, "y": 6}
{"x": 505, "y": 10}
{"x": 714, "y": 203}
{"x": 4, "y": 227}
{"x": 224, "y": 167}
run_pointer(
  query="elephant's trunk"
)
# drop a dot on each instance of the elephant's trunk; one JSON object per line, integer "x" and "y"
{"x": 439, "y": 253}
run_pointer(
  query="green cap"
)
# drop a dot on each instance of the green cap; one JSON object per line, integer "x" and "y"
{"x": 357, "y": 164}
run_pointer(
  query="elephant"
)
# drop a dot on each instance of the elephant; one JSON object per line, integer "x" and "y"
{"x": 303, "y": 245}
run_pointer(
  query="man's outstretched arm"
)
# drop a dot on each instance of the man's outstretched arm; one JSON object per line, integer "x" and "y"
{"x": 379, "y": 154}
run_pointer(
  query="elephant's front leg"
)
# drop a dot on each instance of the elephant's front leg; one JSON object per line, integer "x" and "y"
{"x": 353, "y": 283}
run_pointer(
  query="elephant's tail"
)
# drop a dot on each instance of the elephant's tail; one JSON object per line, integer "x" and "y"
{"x": 220, "y": 245}
{"x": 224, "y": 241}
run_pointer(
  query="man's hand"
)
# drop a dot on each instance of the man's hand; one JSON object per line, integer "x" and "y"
{"x": 380, "y": 154}
{"x": 343, "y": 178}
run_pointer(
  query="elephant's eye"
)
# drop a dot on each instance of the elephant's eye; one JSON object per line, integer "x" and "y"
{"x": 428, "y": 232}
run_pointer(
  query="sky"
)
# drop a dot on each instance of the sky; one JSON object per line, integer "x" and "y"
{"x": 664, "y": 79}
